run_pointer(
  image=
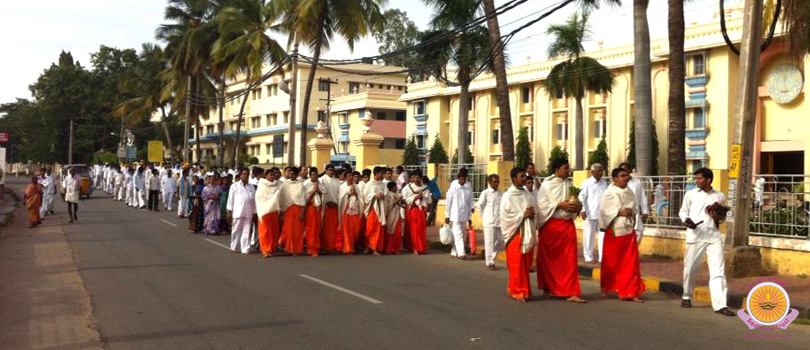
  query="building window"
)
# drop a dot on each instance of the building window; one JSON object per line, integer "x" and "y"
{"x": 286, "y": 117}
{"x": 419, "y": 108}
{"x": 470, "y": 137}
{"x": 399, "y": 143}
{"x": 420, "y": 141}
{"x": 323, "y": 85}
{"x": 354, "y": 87}
{"x": 698, "y": 118}
{"x": 380, "y": 115}
{"x": 526, "y": 95}
{"x": 255, "y": 122}
{"x": 344, "y": 147}
{"x": 322, "y": 117}
{"x": 272, "y": 119}
{"x": 562, "y": 131}
{"x": 209, "y": 129}
{"x": 599, "y": 128}
{"x": 399, "y": 88}
{"x": 233, "y": 126}
{"x": 698, "y": 65}
{"x": 343, "y": 118}
{"x": 400, "y": 116}
{"x": 496, "y": 136}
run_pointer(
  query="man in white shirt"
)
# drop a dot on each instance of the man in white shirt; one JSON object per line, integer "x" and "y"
{"x": 703, "y": 236}
{"x": 531, "y": 170}
{"x": 637, "y": 187}
{"x": 139, "y": 181}
{"x": 168, "y": 185}
{"x": 459, "y": 208}
{"x": 241, "y": 209}
{"x": 402, "y": 178}
{"x": 590, "y": 195}
{"x": 489, "y": 204}
{"x": 118, "y": 184}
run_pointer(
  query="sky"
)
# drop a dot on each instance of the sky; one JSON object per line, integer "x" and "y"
{"x": 35, "y": 32}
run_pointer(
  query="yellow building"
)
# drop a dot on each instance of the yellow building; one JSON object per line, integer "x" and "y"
{"x": 783, "y": 115}
{"x": 264, "y": 130}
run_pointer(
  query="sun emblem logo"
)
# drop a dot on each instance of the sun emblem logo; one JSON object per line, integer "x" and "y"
{"x": 768, "y": 303}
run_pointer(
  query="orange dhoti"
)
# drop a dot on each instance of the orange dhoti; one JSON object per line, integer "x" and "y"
{"x": 351, "y": 231}
{"x": 312, "y": 229}
{"x": 393, "y": 242}
{"x": 519, "y": 265}
{"x": 418, "y": 229}
{"x": 292, "y": 234}
{"x": 375, "y": 232}
{"x": 621, "y": 270}
{"x": 268, "y": 232}
{"x": 557, "y": 270}
{"x": 330, "y": 229}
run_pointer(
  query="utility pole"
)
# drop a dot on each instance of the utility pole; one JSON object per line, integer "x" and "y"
{"x": 293, "y": 92}
{"x": 329, "y": 100}
{"x": 188, "y": 115}
{"x": 744, "y": 124}
{"x": 70, "y": 143}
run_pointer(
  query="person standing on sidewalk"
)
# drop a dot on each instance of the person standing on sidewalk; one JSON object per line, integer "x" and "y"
{"x": 241, "y": 209}
{"x": 436, "y": 194}
{"x": 459, "y": 208}
{"x": 641, "y": 199}
{"x": 46, "y": 181}
{"x": 517, "y": 220}
{"x": 73, "y": 188}
{"x": 489, "y": 204}
{"x": 703, "y": 236}
{"x": 621, "y": 271}
{"x": 590, "y": 195}
{"x": 33, "y": 201}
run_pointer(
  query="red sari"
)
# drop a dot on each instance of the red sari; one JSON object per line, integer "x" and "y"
{"x": 375, "y": 232}
{"x": 557, "y": 270}
{"x": 519, "y": 265}
{"x": 33, "y": 201}
{"x": 393, "y": 242}
{"x": 417, "y": 229}
{"x": 268, "y": 232}
{"x": 312, "y": 229}
{"x": 621, "y": 270}
{"x": 330, "y": 229}
{"x": 292, "y": 233}
{"x": 351, "y": 231}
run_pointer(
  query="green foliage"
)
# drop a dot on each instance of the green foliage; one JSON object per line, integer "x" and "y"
{"x": 780, "y": 221}
{"x": 600, "y": 155}
{"x": 411, "y": 154}
{"x": 103, "y": 156}
{"x": 398, "y": 33}
{"x": 437, "y": 154}
{"x": 556, "y": 153}
{"x": 523, "y": 149}
{"x": 470, "y": 158}
{"x": 631, "y": 148}
{"x": 254, "y": 160}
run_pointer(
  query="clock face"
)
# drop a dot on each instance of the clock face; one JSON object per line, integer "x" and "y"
{"x": 785, "y": 83}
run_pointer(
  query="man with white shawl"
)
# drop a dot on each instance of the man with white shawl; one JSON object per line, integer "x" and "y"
{"x": 293, "y": 201}
{"x": 517, "y": 222}
{"x": 267, "y": 209}
{"x": 350, "y": 206}
{"x": 557, "y": 270}
{"x": 330, "y": 186}
{"x": 374, "y": 197}
{"x": 637, "y": 187}
{"x": 417, "y": 200}
{"x": 313, "y": 221}
{"x": 621, "y": 271}
{"x": 393, "y": 219}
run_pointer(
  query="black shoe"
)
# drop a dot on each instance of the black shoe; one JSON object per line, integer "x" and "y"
{"x": 725, "y": 312}
{"x": 686, "y": 303}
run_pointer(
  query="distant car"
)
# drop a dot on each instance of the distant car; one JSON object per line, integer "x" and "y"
{"x": 83, "y": 171}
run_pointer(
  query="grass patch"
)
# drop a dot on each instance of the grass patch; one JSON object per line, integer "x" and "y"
{"x": 802, "y": 276}
{"x": 802, "y": 321}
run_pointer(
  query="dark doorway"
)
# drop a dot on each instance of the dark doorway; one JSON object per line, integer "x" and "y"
{"x": 783, "y": 163}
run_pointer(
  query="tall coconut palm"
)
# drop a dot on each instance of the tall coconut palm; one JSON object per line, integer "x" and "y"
{"x": 245, "y": 48}
{"x": 315, "y": 23}
{"x": 470, "y": 51}
{"x": 676, "y": 126}
{"x": 796, "y": 22}
{"x": 642, "y": 85}
{"x": 577, "y": 74}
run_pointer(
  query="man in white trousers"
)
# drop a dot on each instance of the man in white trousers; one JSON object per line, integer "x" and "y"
{"x": 127, "y": 185}
{"x": 635, "y": 185}
{"x": 703, "y": 236}
{"x": 118, "y": 184}
{"x": 590, "y": 195}
{"x": 183, "y": 186}
{"x": 168, "y": 186}
{"x": 489, "y": 204}
{"x": 459, "y": 208}
{"x": 140, "y": 188}
{"x": 241, "y": 209}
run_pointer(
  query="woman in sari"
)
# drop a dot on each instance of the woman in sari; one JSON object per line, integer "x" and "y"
{"x": 211, "y": 195}
{"x": 197, "y": 216}
{"x": 33, "y": 201}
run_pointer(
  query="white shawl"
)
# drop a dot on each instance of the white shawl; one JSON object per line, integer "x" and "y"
{"x": 317, "y": 199}
{"x": 392, "y": 212}
{"x": 410, "y": 191}
{"x": 350, "y": 204}
{"x": 613, "y": 200}
{"x": 513, "y": 205}
{"x": 293, "y": 193}
{"x": 267, "y": 197}
{"x": 374, "y": 187}
{"x": 553, "y": 191}
{"x": 331, "y": 189}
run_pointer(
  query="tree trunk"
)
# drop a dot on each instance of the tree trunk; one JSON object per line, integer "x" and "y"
{"x": 642, "y": 88}
{"x": 239, "y": 119}
{"x": 501, "y": 85}
{"x": 316, "y": 55}
{"x": 579, "y": 138}
{"x": 676, "y": 131}
{"x": 221, "y": 143}
{"x": 187, "y": 122}
{"x": 167, "y": 134}
{"x": 463, "y": 116}
{"x": 197, "y": 120}
{"x": 293, "y": 103}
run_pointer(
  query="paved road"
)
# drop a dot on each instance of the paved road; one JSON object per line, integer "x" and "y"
{"x": 155, "y": 286}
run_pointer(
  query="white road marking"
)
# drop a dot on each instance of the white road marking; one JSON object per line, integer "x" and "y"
{"x": 217, "y": 243}
{"x": 168, "y": 222}
{"x": 344, "y": 290}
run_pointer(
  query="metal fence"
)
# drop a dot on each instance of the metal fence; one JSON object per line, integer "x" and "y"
{"x": 476, "y": 175}
{"x": 664, "y": 196}
{"x": 411, "y": 168}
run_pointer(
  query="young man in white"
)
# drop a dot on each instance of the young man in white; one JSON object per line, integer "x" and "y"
{"x": 489, "y": 204}
{"x": 459, "y": 204}
{"x": 641, "y": 199}
{"x": 703, "y": 236}
{"x": 168, "y": 185}
{"x": 590, "y": 195}
{"x": 118, "y": 185}
{"x": 140, "y": 188}
{"x": 241, "y": 209}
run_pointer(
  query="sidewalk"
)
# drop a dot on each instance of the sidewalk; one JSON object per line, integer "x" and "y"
{"x": 43, "y": 302}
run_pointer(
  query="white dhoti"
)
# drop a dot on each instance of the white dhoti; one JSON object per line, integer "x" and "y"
{"x": 139, "y": 201}
{"x": 130, "y": 195}
{"x": 458, "y": 239}
{"x": 116, "y": 190}
{"x": 717, "y": 278}
{"x": 168, "y": 198}
{"x": 590, "y": 231}
{"x": 182, "y": 206}
{"x": 240, "y": 234}
{"x": 46, "y": 197}
{"x": 493, "y": 243}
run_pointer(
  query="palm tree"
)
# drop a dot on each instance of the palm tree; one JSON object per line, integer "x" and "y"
{"x": 642, "y": 85}
{"x": 244, "y": 47}
{"x": 469, "y": 51}
{"x": 146, "y": 85}
{"x": 314, "y": 23}
{"x": 676, "y": 128}
{"x": 577, "y": 74}
{"x": 796, "y": 16}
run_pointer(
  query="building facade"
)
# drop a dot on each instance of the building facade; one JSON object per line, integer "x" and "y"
{"x": 783, "y": 115}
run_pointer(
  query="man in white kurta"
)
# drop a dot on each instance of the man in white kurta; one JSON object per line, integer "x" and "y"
{"x": 169, "y": 187}
{"x": 46, "y": 182}
{"x": 590, "y": 195}
{"x": 489, "y": 204}
{"x": 459, "y": 206}
{"x": 140, "y": 188}
{"x": 703, "y": 236}
{"x": 241, "y": 208}
{"x": 517, "y": 222}
{"x": 374, "y": 196}
{"x": 330, "y": 186}
{"x": 127, "y": 190}
{"x": 637, "y": 187}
